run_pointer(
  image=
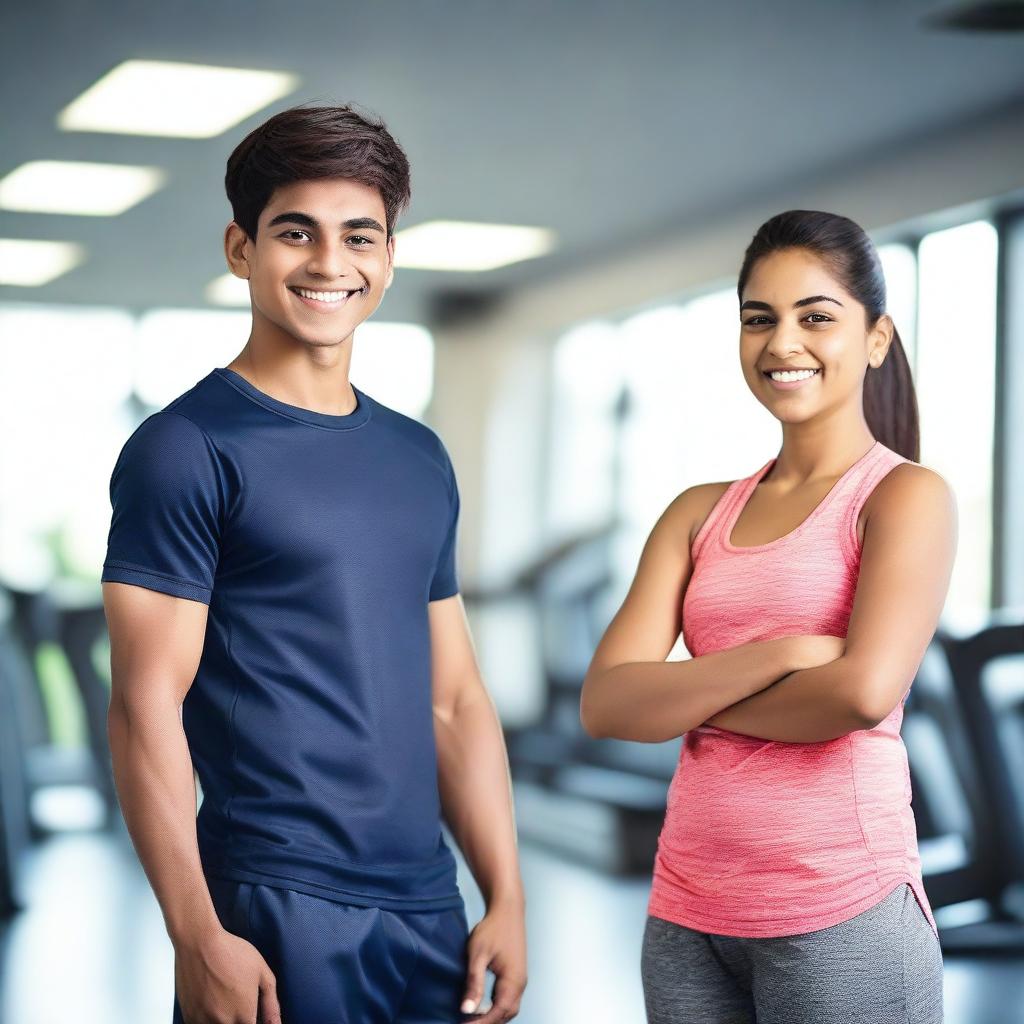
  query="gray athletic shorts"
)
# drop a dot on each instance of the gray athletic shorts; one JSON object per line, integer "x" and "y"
{"x": 883, "y": 966}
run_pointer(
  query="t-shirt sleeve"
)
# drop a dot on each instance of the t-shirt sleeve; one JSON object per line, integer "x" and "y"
{"x": 445, "y": 582}
{"x": 167, "y": 496}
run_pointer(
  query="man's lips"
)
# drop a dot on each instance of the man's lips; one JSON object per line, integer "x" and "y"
{"x": 325, "y": 305}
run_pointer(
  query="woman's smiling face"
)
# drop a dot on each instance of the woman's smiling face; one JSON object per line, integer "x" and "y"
{"x": 795, "y": 315}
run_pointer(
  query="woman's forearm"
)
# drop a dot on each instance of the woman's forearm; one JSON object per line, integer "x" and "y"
{"x": 807, "y": 706}
{"x": 656, "y": 701}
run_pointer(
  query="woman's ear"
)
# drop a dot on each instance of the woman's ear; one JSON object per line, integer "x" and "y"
{"x": 880, "y": 339}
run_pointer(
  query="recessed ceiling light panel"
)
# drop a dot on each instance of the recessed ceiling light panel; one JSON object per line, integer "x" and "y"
{"x": 468, "y": 245}
{"x": 161, "y": 97}
{"x": 68, "y": 186}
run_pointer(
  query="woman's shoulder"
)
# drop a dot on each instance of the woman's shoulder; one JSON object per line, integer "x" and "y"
{"x": 906, "y": 479}
{"x": 690, "y": 508}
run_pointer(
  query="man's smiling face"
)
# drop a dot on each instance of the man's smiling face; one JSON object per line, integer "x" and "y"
{"x": 320, "y": 262}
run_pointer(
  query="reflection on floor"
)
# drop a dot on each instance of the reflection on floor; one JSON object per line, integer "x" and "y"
{"x": 91, "y": 947}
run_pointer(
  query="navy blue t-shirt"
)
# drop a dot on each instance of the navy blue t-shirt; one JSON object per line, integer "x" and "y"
{"x": 317, "y": 541}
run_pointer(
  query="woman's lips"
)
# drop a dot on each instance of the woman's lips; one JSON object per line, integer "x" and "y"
{"x": 791, "y": 385}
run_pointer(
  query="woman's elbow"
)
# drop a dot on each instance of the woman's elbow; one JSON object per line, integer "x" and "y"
{"x": 590, "y": 726}
{"x": 590, "y": 719}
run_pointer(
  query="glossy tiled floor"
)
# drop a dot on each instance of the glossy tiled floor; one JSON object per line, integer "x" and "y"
{"x": 91, "y": 947}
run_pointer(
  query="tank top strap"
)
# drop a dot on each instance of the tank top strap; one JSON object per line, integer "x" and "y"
{"x": 721, "y": 513}
{"x": 857, "y": 488}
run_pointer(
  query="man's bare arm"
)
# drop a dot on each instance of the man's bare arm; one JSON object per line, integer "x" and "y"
{"x": 156, "y": 641}
{"x": 476, "y": 798}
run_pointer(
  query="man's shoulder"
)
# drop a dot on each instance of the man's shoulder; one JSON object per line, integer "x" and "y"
{"x": 205, "y": 404}
{"x": 184, "y": 433}
{"x": 414, "y": 434}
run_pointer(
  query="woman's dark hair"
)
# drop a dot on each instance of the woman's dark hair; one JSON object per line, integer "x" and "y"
{"x": 305, "y": 143}
{"x": 890, "y": 402}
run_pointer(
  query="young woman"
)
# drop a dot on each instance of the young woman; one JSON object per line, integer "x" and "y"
{"x": 787, "y": 882}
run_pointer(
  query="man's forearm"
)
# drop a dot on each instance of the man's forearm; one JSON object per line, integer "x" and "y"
{"x": 808, "y": 706}
{"x": 476, "y": 795}
{"x": 156, "y": 788}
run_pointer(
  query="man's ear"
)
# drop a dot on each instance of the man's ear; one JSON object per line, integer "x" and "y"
{"x": 391, "y": 262}
{"x": 235, "y": 241}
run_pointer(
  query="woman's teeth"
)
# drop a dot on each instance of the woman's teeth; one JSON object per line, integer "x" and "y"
{"x": 791, "y": 374}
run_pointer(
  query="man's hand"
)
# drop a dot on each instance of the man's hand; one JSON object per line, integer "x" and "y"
{"x": 225, "y": 978}
{"x": 499, "y": 942}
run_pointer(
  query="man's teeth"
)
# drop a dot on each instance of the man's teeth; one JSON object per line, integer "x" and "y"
{"x": 792, "y": 374}
{"x": 324, "y": 296}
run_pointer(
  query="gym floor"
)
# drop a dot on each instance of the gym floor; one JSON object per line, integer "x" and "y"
{"x": 91, "y": 945}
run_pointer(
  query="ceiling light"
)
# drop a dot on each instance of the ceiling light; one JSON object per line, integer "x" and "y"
{"x": 469, "y": 246}
{"x": 159, "y": 97}
{"x": 68, "y": 186}
{"x": 29, "y": 262}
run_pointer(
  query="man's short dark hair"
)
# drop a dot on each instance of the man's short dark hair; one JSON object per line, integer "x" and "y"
{"x": 306, "y": 143}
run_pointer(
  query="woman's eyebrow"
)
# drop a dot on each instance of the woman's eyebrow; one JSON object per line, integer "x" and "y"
{"x": 757, "y": 304}
{"x": 295, "y": 217}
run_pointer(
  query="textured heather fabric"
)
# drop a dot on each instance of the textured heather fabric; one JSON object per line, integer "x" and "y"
{"x": 317, "y": 541}
{"x": 769, "y": 838}
{"x": 883, "y": 966}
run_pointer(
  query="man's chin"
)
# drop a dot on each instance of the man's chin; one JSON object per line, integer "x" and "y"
{"x": 328, "y": 334}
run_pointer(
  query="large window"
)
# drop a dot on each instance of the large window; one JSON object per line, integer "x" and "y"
{"x": 582, "y": 457}
{"x": 955, "y": 381}
{"x": 67, "y": 373}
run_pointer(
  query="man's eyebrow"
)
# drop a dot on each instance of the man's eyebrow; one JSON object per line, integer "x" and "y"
{"x": 295, "y": 217}
{"x": 810, "y": 300}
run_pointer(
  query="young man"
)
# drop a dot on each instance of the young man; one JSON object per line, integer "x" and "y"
{"x": 284, "y": 615}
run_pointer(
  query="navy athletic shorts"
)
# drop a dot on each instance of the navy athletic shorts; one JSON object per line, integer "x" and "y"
{"x": 337, "y": 963}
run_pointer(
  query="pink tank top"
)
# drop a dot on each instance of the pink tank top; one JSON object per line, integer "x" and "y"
{"x": 767, "y": 838}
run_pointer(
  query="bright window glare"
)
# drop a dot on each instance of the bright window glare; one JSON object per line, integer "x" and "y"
{"x": 955, "y": 382}
{"x": 168, "y": 98}
{"x": 78, "y": 187}
{"x": 66, "y": 378}
{"x": 228, "y": 290}
{"x": 394, "y": 363}
{"x": 178, "y": 347}
{"x": 587, "y": 383}
{"x": 77, "y": 381}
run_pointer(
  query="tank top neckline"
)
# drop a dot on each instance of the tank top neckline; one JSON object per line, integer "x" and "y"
{"x": 750, "y": 482}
